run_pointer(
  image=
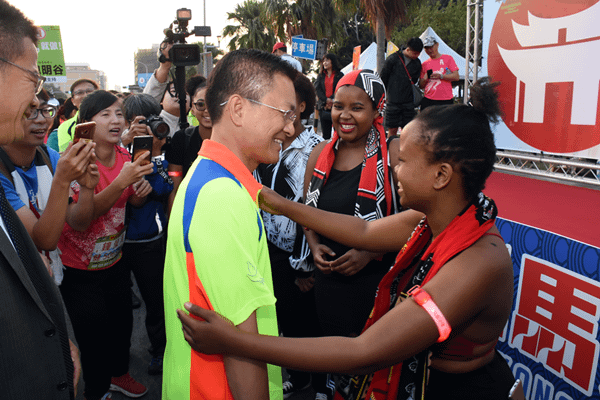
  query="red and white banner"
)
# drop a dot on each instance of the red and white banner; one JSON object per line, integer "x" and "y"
{"x": 546, "y": 54}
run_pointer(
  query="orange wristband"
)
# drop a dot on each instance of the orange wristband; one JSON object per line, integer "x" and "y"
{"x": 424, "y": 300}
{"x": 175, "y": 173}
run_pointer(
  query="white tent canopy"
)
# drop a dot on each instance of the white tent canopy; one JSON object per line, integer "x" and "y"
{"x": 368, "y": 58}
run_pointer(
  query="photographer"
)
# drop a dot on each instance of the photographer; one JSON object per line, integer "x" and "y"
{"x": 157, "y": 84}
{"x": 186, "y": 142}
{"x": 144, "y": 248}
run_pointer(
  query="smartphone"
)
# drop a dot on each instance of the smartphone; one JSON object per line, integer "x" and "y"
{"x": 142, "y": 144}
{"x": 429, "y": 72}
{"x": 517, "y": 392}
{"x": 84, "y": 131}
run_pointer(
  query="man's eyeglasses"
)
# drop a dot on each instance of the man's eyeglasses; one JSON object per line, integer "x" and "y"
{"x": 47, "y": 112}
{"x": 289, "y": 114}
{"x": 82, "y": 92}
{"x": 35, "y": 75}
{"x": 200, "y": 105}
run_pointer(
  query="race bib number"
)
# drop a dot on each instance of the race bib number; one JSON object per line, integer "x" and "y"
{"x": 107, "y": 250}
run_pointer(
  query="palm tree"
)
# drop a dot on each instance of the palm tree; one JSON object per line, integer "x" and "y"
{"x": 251, "y": 31}
{"x": 384, "y": 14}
{"x": 314, "y": 19}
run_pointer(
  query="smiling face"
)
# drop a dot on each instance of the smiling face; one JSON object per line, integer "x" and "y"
{"x": 199, "y": 108}
{"x": 36, "y": 129}
{"x": 267, "y": 128}
{"x": 352, "y": 113}
{"x": 17, "y": 93}
{"x": 109, "y": 124}
{"x": 414, "y": 171}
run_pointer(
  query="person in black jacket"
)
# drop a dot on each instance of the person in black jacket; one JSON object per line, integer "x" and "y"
{"x": 400, "y": 108}
{"x": 37, "y": 359}
{"x": 325, "y": 84}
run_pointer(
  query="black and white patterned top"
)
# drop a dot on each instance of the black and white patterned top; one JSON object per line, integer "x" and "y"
{"x": 287, "y": 178}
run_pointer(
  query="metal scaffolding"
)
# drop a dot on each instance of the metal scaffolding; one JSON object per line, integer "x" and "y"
{"x": 474, "y": 44}
{"x": 570, "y": 171}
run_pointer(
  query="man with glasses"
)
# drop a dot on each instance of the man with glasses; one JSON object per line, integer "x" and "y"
{"x": 36, "y": 182}
{"x": 217, "y": 253}
{"x": 37, "y": 358}
{"x": 79, "y": 90}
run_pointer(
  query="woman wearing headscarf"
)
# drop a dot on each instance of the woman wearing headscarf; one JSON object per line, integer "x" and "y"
{"x": 350, "y": 175}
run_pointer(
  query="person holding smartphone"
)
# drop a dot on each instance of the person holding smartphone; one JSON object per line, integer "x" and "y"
{"x": 96, "y": 287}
{"x": 437, "y": 75}
{"x": 37, "y": 181}
{"x": 145, "y": 241}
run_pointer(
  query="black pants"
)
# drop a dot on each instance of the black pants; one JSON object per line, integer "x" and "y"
{"x": 147, "y": 261}
{"x": 99, "y": 304}
{"x": 326, "y": 123}
{"x": 398, "y": 115}
{"x": 428, "y": 103}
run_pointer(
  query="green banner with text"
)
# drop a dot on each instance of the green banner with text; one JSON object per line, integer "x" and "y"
{"x": 51, "y": 60}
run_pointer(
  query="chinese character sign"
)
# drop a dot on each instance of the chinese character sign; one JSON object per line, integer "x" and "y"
{"x": 551, "y": 340}
{"x": 556, "y": 320}
{"x": 304, "y": 48}
{"x": 51, "y": 60}
{"x": 547, "y": 106}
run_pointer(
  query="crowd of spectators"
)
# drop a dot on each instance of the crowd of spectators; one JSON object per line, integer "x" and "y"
{"x": 81, "y": 217}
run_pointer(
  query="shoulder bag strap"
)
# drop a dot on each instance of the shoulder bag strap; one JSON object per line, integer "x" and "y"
{"x": 406, "y": 69}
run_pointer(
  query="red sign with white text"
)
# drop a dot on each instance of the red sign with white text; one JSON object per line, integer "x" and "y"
{"x": 547, "y": 54}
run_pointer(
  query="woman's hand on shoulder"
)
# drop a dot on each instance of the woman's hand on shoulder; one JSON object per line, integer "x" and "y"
{"x": 269, "y": 201}
{"x": 205, "y": 330}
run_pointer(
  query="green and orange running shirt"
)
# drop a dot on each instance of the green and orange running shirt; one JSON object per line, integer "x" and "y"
{"x": 217, "y": 257}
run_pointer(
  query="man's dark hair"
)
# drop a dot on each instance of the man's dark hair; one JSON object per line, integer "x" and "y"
{"x": 194, "y": 83}
{"x": 140, "y": 104}
{"x": 415, "y": 44}
{"x": 245, "y": 72}
{"x": 305, "y": 91}
{"x": 14, "y": 27}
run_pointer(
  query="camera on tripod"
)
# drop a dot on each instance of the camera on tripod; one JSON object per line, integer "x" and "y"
{"x": 182, "y": 54}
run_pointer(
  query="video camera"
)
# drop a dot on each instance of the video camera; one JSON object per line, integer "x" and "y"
{"x": 182, "y": 54}
{"x": 157, "y": 125}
